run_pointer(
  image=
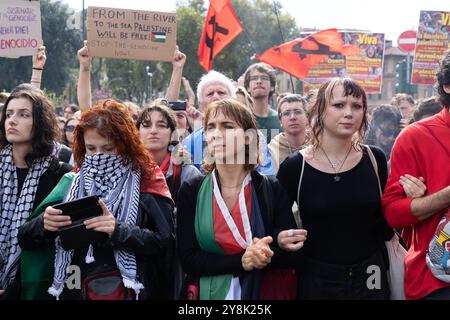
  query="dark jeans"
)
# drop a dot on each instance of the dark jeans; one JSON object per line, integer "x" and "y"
{"x": 439, "y": 294}
{"x": 321, "y": 281}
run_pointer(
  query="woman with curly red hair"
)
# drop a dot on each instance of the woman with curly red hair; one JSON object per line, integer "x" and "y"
{"x": 137, "y": 212}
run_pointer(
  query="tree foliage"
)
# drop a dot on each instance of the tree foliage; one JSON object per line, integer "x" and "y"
{"x": 128, "y": 79}
{"x": 262, "y": 31}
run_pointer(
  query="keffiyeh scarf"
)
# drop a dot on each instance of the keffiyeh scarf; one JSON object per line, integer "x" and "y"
{"x": 15, "y": 208}
{"x": 119, "y": 187}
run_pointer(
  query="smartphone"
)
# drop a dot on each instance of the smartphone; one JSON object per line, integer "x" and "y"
{"x": 76, "y": 235}
{"x": 177, "y": 105}
{"x": 81, "y": 209}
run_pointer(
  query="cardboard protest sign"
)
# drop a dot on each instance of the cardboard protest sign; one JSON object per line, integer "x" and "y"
{"x": 131, "y": 34}
{"x": 20, "y": 28}
{"x": 433, "y": 41}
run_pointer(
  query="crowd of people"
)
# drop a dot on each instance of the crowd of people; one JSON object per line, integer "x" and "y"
{"x": 251, "y": 194}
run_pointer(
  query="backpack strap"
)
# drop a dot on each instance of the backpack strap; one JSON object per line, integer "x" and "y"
{"x": 388, "y": 230}
{"x": 375, "y": 167}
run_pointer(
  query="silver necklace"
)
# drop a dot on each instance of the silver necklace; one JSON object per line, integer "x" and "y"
{"x": 334, "y": 165}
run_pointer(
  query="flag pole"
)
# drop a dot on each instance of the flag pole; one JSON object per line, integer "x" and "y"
{"x": 83, "y": 22}
{"x": 211, "y": 56}
{"x": 282, "y": 41}
{"x": 249, "y": 41}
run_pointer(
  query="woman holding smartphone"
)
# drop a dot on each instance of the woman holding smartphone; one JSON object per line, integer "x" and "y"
{"x": 137, "y": 212}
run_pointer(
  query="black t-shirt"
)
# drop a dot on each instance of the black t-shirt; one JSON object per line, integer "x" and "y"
{"x": 340, "y": 216}
{"x": 21, "y": 176}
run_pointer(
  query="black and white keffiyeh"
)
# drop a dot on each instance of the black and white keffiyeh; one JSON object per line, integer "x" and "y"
{"x": 119, "y": 187}
{"x": 15, "y": 209}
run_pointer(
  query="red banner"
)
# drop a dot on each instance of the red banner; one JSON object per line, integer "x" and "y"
{"x": 220, "y": 28}
{"x": 296, "y": 57}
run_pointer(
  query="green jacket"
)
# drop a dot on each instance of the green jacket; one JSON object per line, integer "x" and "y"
{"x": 37, "y": 266}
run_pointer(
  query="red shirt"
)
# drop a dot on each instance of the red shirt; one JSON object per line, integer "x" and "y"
{"x": 418, "y": 153}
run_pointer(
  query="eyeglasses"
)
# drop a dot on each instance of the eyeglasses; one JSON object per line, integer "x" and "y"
{"x": 295, "y": 112}
{"x": 261, "y": 77}
{"x": 69, "y": 128}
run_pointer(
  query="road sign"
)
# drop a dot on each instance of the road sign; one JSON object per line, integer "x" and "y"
{"x": 407, "y": 41}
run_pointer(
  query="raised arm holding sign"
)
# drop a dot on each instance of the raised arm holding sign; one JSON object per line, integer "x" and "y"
{"x": 84, "y": 78}
{"x": 38, "y": 67}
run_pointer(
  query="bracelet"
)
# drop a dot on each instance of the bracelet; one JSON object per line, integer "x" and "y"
{"x": 38, "y": 68}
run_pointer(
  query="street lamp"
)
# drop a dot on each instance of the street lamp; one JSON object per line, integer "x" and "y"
{"x": 148, "y": 86}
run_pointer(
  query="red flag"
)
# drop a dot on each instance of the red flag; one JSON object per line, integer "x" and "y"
{"x": 296, "y": 56}
{"x": 220, "y": 28}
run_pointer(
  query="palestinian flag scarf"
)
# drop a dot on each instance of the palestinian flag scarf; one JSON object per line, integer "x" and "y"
{"x": 221, "y": 232}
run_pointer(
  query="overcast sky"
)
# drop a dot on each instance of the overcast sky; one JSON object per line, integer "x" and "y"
{"x": 391, "y": 17}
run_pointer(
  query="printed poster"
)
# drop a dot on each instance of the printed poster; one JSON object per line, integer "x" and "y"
{"x": 433, "y": 41}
